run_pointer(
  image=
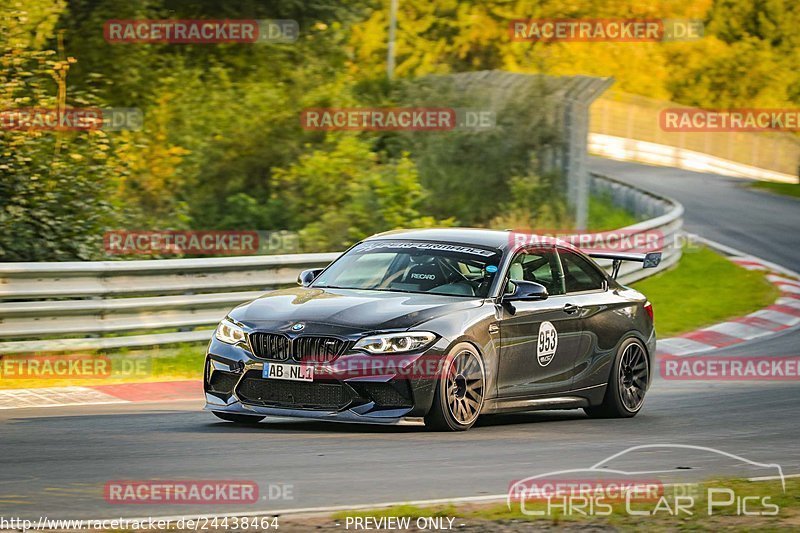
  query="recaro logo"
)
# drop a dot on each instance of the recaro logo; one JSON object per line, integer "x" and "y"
{"x": 423, "y": 276}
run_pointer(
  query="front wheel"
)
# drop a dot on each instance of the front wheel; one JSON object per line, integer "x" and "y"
{"x": 627, "y": 383}
{"x": 459, "y": 393}
{"x": 237, "y": 418}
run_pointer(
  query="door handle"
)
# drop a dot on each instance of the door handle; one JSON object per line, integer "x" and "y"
{"x": 571, "y": 309}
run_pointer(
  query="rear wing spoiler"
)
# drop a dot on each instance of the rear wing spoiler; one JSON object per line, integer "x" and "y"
{"x": 648, "y": 260}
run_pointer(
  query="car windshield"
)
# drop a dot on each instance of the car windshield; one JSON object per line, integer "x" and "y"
{"x": 414, "y": 266}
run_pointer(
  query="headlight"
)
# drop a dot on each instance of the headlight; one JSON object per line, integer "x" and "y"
{"x": 229, "y": 332}
{"x": 395, "y": 342}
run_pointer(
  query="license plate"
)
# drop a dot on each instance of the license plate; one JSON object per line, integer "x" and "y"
{"x": 288, "y": 372}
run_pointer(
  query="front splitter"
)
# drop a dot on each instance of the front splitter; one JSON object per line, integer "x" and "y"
{"x": 361, "y": 414}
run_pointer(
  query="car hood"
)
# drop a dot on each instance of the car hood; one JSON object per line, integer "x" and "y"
{"x": 354, "y": 310}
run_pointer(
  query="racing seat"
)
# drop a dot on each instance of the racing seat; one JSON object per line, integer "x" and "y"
{"x": 459, "y": 288}
{"x": 426, "y": 276}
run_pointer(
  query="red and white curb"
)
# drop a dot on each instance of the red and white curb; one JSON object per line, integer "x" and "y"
{"x": 783, "y": 314}
{"x": 102, "y": 394}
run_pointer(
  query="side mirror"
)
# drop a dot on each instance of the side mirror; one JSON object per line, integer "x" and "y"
{"x": 526, "y": 291}
{"x": 307, "y": 276}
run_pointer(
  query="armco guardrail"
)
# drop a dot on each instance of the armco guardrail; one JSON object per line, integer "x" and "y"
{"x": 623, "y": 149}
{"x": 113, "y": 304}
{"x": 665, "y": 220}
{"x": 45, "y": 307}
{"x": 627, "y": 127}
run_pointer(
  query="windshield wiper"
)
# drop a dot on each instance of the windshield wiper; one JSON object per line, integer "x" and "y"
{"x": 366, "y": 289}
{"x": 395, "y": 290}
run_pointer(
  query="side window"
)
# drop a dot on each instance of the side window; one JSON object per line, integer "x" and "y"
{"x": 580, "y": 274}
{"x": 540, "y": 266}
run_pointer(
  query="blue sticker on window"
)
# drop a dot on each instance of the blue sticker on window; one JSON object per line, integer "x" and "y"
{"x": 491, "y": 269}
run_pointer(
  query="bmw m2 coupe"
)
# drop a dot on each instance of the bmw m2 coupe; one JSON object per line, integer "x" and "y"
{"x": 440, "y": 326}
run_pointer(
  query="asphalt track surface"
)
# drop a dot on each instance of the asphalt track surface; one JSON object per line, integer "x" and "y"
{"x": 55, "y": 462}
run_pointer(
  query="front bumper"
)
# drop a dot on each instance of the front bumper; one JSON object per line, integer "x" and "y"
{"x": 394, "y": 395}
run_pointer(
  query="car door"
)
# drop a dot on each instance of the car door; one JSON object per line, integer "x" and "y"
{"x": 599, "y": 312}
{"x": 539, "y": 340}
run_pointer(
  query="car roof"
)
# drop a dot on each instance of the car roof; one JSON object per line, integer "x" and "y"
{"x": 501, "y": 240}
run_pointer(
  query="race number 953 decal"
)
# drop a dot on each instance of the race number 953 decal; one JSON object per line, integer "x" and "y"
{"x": 547, "y": 344}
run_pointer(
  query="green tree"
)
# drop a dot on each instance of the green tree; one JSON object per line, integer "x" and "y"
{"x": 346, "y": 192}
{"x": 55, "y": 186}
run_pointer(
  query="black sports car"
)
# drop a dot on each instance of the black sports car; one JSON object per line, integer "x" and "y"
{"x": 440, "y": 325}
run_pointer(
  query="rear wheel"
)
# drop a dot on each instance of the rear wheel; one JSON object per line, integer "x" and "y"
{"x": 239, "y": 419}
{"x": 459, "y": 393}
{"x": 627, "y": 383}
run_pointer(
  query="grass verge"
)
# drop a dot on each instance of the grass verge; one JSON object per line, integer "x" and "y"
{"x": 605, "y": 215}
{"x": 786, "y": 189}
{"x": 122, "y": 366}
{"x": 704, "y": 289}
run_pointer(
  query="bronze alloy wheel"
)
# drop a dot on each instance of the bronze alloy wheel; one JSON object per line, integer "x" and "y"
{"x": 465, "y": 386}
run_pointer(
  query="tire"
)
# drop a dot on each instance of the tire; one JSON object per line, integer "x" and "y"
{"x": 239, "y": 419}
{"x": 459, "y": 392}
{"x": 627, "y": 383}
